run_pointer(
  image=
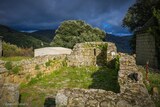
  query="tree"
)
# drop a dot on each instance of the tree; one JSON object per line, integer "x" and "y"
{"x": 138, "y": 14}
{"x": 76, "y": 31}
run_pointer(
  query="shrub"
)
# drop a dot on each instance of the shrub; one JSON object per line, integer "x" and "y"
{"x": 28, "y": 76}
{"x": 16, "y": 69}
{"x": 33, "y": 81}
{"x": 48, "y": 63}
{"x": 37, "y": 67}
{"x": 13, "y": 50}
{"x": 39, "y": 74}
{"x": 8, "y": 65}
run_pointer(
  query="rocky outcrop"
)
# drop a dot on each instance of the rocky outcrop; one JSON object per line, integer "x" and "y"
{"x": 133, "y": 92}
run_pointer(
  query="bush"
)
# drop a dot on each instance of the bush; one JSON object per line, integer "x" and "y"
{"x": 76, "y": 31}
{"x": 16, "y": 69}
{"x": 37, "y": 67}
{"x": 48, "y": 63}
{"x": 8, "y": 65}
{"x": 13, "y": 50}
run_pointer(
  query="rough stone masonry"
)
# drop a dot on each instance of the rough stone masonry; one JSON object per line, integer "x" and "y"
{"x": 92, "y": 54}
{"x": 132, "y": 93}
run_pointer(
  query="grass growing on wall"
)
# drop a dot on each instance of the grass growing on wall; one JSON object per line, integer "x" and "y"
{"x": 35, "y": 92}
{"x": 11, "y": 68}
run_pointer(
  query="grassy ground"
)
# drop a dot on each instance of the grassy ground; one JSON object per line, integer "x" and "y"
{"x": 154, "y": 81}
{"x": 40, "y": 90}
{"x": 15, "y": 58}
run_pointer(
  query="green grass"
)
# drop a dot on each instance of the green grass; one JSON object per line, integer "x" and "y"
{"x": 68, "y": 77}
{"x": 15, "y": 58}
{"x": 154, "y": 81}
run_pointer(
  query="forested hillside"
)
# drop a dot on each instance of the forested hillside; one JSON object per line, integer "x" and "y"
{"x": 44, "y": 35}
{"x": 122, "y": 42}
{"x": 19, "y": 38}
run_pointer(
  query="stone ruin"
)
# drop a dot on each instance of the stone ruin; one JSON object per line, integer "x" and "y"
{"x": 133, "y": 92}
{"x": 92, "y": 54}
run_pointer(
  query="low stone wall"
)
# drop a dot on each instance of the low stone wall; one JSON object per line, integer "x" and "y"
{"x": 133, "y": 92}
{"x": 32, "y": 67}
{"x": 92, "y": 54}
{"x": 9, "y": 94}
{"x": 9, "y": 83}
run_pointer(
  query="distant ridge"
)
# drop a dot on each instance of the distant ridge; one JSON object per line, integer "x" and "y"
{"x": 20, "y": 39}
{"x": 36, "y": 38}
{"x": 44, "y": 35}
{"x": 122, "y": 42}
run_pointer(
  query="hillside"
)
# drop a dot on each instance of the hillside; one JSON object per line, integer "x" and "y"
{"x": 122, "y": 42}
{"x": 19, "y": 38}
{"x": 44, "y": 35}
{"x": 36, "y": 39}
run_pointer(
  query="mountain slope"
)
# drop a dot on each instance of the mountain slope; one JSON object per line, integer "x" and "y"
{"x": 19, "y": 38}
{"x": 44, "y": 35}
{"x": 122, "y": 42}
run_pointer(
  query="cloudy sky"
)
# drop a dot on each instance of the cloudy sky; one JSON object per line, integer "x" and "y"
{"x": 48, "y": 14}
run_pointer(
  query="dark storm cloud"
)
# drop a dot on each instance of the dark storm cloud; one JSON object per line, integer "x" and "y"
{"x": 44, "y": 14}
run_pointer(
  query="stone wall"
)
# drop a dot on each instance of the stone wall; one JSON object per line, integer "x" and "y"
{"x": 145, "y": 50}
{"x": 31, "y": 67}
{"x": 133, "y": 93}
{"x": 0, "y": 46}
{"x": 92, "y": 54}
{"x": 9, "y": 93}
{"x": 9, "y": 83}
